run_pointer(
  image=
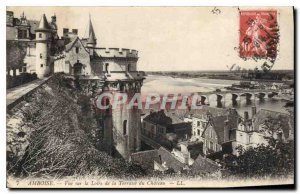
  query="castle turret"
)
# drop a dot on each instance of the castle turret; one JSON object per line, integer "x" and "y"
{"x": 122, "y": 123}
{"x": 43, "y": 38}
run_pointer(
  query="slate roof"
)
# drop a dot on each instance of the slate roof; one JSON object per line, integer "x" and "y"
{"x": 218, "y": 124}
{"x": 199, "y": 113}
{"x": 73, "y": 41}
{"x": 170, "y": 160}
{"x": 43, "y": 25}
{"x": 264, "y": 114}
{"x": 92, "y": 38}
{"x": 33, "y": 25}
{"x": 204, "y": 165}
{"x": 145, "y": 158}
{"x": 163, "y": 118}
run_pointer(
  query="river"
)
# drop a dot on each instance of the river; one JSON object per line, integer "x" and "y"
{"x": 169, "y": 85}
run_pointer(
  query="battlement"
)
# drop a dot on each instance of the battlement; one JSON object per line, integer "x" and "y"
{"x": 116, "y": 52}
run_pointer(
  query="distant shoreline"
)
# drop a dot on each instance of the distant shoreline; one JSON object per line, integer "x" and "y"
{"x": 221, "y": 75}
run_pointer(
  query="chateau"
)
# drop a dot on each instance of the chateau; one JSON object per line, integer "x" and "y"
{"x": 113, "y": 70}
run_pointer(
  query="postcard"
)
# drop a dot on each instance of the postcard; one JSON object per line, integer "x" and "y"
{"x": 150, "y": 97}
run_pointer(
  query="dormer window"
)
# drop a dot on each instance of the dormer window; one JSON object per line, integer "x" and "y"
{"x": 22, "y": 33}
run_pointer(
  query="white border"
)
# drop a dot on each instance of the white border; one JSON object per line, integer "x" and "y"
{"x": 5, "y": 3}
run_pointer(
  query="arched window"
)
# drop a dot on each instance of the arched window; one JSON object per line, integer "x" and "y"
{"x": 125, "y": 127}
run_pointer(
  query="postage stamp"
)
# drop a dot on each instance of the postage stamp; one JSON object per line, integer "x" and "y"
{"x": 259, "y": 34}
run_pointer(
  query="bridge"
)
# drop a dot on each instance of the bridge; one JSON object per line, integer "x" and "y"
{"x": 236, "y": 95}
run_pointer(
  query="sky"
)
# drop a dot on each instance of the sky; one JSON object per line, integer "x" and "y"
{"x": 170, "y": 38}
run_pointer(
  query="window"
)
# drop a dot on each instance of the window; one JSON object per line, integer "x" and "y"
{"x": 22, "y": 34}
{"x": 40, "y": 35}
{"x": 41, "y": 56}
{"x": 24, "y": 69}
{"x": 125, "y": 127}
{"x": 210, "y": 133}
{"x": 77, "y": 50}
{"x": 198, "y": 123}
{"x": 198, "y": 132}
{"x": 42, "y": 65}
{"x": 128, "y": 68}
{"x": 211, "y": 145}
{"x": 106, "y": 67}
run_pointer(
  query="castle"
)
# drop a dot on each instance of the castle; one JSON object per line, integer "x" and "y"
{"x": 113, "y": 69}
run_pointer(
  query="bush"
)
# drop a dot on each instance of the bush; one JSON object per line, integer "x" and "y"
{"x": 13, "y": 81}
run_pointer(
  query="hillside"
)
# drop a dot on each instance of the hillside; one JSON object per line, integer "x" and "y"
{"x": 53, "y": 132}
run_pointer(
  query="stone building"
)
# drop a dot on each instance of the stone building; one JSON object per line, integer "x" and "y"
{"x": 113, "y": 70}
{"x": 223, "y": 134}
{"x": 264, "y": 124}
{"x": 164, "y": 124}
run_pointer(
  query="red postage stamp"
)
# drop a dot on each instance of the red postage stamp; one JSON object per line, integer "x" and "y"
{"x": 259, "y": 34}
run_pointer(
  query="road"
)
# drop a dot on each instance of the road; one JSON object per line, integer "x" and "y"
{"x": 16, "y": 93}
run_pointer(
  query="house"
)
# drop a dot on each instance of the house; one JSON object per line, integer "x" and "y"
{"x": 162, "y": 160}
{"x": 164, "y": 124}
{"x": 213, "y": 127}
{"x": 200, "y": 118}
{"x": 220, "y": 139}
{"x": 263, "y": 125}
{"x": 203, "y": 165}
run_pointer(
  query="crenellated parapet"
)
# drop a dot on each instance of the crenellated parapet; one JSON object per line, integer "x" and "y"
{"x": 59, "y": 56}
{"x": 116, "y": 53}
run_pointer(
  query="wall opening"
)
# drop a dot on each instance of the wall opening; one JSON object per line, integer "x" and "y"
{"x": 78, "y": 69}
{"x": 106, "y": 67}
{"x": 128, "y": 67}
{"x": 125, "y": 127}
{"x": 107, "y": 103}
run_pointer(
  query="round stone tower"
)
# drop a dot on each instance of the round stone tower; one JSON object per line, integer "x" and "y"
{"x": 121, "y": 123}
{"x": 43, "y": 42}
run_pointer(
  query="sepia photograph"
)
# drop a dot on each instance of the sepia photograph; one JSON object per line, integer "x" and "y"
{"x": 150, "y": 97}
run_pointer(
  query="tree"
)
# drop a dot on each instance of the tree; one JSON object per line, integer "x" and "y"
{"x": 262, "y": 161}
{"x": 275, "y": 159}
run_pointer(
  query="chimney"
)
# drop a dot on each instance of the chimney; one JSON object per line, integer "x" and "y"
{"x": 253, "y": 111}
{"x": 65, "y": 32}
{"x": 246, "y": 115}
{"x": 75, "y": 31}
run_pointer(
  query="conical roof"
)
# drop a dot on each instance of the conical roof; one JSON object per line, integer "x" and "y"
{"x": 43, "y": 25}
{"x": 92, "y": 38}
